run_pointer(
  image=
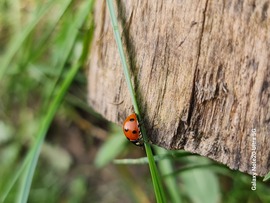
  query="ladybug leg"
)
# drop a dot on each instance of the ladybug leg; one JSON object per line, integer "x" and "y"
{"x": 140, "y": 140}
{"x": 137, "y": 142}
{"x": 140, "y": 137}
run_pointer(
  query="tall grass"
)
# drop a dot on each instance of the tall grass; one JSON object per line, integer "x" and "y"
{"x": 159, "y": 192}
{"x": 69, "y": 34}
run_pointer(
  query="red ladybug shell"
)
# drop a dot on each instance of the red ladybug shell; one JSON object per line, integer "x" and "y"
{"x": 131, "y": 129}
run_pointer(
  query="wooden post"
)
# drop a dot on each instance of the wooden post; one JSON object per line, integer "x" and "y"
{"x": 201, "y": 71}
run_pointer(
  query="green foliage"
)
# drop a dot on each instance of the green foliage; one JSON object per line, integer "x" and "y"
{"x": 111, "y": 149}
{"x": 166, "y": 167}
{"x": 201, "y": 186}
{"x": 43, "y": 46}
{"x": 24, "y": 73}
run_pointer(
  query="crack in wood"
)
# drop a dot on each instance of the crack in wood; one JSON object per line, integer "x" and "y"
{"x": 193, "y": 93}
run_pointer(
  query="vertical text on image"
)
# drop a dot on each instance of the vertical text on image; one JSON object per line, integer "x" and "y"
{"x": 253, "y": 158}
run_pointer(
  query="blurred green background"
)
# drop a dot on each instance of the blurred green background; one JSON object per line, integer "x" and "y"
{"x": 44, "y": 47}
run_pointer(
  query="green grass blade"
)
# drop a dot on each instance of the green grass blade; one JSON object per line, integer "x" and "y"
{"x": 43, "y": 42}
{"x": 122, "y": 55}
{"x": 267, "y": 176}
{"x": 201, "y": 186}
{"x": 191, "y": 167}
{"x": 165, "y": 167}
{"x": 43, "y": 130}
{"x": 63, "y": 53}
{"x": 153, "y": 169}
{"x": 35, "y": 151}
{"x": 11, "y": 183}
{"x": 13, "y": 48}
{"x": 143, "y": 160}
{"x": 18, "y": 40}
{"x": 160, "y": 195}
{"x": 110, "y": 149}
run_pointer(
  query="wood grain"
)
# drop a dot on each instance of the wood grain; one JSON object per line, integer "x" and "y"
{"x": 201, "y": 73}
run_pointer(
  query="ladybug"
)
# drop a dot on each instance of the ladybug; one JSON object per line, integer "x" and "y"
{"x": 132, "y": 131}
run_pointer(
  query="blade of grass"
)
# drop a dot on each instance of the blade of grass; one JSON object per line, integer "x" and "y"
{"x": 267, "y": 177}
{"x": 160, "y": 157}
{"x": 43, "y": 130}
{"x": 165, "y": 167}
{"x": 19, "y": 171}
{"x": 191, "y": 167}
{"x": 110, "y": 149}
{"x": 13, "y": 48}
{"x": 19, "y": 39}
{"x": 159, "y": 192}
{"x": 143, "y": 160}
{"x": 35, "y": 151}
{"x": 63, "y": 54}
{"x": 43, "y": 42}
{"x": 201, "y": 186}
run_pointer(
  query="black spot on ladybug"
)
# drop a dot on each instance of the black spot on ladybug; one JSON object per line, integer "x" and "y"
{"x": 132, "y": 119}
{"x": 126, "y": 129}
{"x": 134, "y": 131}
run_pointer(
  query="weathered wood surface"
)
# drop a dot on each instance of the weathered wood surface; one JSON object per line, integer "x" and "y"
{"x": 201, "y": 71}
